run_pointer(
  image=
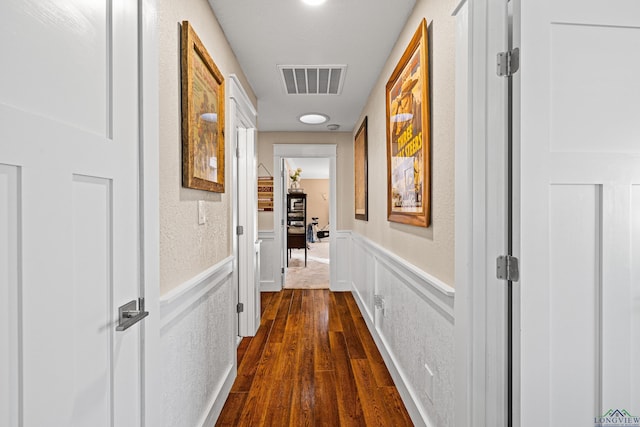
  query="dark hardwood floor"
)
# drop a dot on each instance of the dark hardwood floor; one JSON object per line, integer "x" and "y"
{"x": 312, "y": 362}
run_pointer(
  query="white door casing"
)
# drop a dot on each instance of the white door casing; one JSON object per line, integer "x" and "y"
{"x": 580, "y": 204}
{"x": 70, "y": 128}
{"x": 481, "y": 214}
{"x": 242, "y": 125}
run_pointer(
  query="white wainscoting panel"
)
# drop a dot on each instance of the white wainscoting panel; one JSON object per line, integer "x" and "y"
{"x": 269, "y": 277}
{"x": 413, "y": 325}
{"x": 198, "y": 339}
{"x": 575, "y": 234}
{"x": 341, "y": 260}
{"x": 634, "y": 335}
{"x": 10, "y": 308}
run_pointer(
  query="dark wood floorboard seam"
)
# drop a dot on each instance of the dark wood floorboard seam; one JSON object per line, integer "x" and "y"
{"x": 313, "y": 362}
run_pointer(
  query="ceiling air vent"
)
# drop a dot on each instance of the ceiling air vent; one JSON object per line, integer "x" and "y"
{"x": 313, "y": 79}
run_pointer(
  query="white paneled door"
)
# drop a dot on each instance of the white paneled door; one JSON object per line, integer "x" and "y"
{"x": 69, "y": 213}
{"x": 580, "y": 212}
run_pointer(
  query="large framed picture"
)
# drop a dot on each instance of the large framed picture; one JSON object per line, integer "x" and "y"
{"x": 360, "y": 170}
{"x": 408, "y": 135}
{"x": 203, "y": 152}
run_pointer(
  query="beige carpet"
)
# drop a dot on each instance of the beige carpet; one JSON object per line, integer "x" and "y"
{"x": 316, "y": 274}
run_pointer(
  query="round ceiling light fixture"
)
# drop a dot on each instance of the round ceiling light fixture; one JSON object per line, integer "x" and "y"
{"x": 314, "y": 2}
{"x": 313, "y": 118}
{"x": 333, "y": 126}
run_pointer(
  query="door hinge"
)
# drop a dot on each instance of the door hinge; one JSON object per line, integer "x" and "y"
{"x": 238, "y": 151}
{"x": 282, "y": 270}
{"x": 239, "y": 230}
{"x": 507, "y": 268}
{"x": 508, "y": 62}
{"x": 239, "y": 307}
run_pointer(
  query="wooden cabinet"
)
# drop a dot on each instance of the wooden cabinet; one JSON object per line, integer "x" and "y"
{"x": 297, "y": 223}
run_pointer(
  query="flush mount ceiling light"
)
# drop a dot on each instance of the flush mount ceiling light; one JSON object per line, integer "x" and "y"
{"x": 314, "y": 2}
{"x": 313, "y": 118}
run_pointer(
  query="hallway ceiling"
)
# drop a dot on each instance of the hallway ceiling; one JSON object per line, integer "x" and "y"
{"x": 265, "y": 34}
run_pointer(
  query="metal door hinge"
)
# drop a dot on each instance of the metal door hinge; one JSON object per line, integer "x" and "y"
{"x": 508, "y": 62}
{"x": 282, "y": 270}
{"x": 507, "y": 268}
{"x": 239, "y": 307}
{"x": 239, "y": 230}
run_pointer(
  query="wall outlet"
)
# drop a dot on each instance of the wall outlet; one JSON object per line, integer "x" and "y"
{"x": 202, "y": 215}
{"x": 378, "y": 302}
{"x": 429, "y": 382}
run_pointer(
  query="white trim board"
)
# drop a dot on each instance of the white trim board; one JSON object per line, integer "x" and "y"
{"x": 429, "y": 286}
{"x": 342, "y": 261}
{"x": 180, "y": 300}
{"x": 480, "y": 226}
{"x": 148, "y": 39}
{"x": 268, "y": 275}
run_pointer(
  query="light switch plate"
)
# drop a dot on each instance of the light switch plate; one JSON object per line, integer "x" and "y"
{"x": 202, "y": 216}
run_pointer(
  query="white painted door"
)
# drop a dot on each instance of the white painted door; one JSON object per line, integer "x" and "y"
{"x": 69, "y": 213}
{"x": 253, "y": 219}
{"x": 242, "y": 122}
{"x": 284, "y": 252}
{"x": 248, "y": 246}
{"x": 580, "y": 211}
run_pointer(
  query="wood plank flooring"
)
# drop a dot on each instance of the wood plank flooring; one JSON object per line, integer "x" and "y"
{"x": 312, "y": 362}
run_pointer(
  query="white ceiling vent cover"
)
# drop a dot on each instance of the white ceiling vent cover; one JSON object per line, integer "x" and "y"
{"x": 313, "y": 79}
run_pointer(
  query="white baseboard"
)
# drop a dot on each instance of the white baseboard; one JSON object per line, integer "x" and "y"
{"x": 406, "y": 393}
{"x": 219, "y": 398}
{"x": 341, "y": 261}
{"x": 269, "y": 286}
{"x": 412, "y": 324}
{"x": 269, "y": 274}
{"x": 198, "y": 342}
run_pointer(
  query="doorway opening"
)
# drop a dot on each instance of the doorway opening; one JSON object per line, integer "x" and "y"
{"x": 307, "y": 203}
{"x": 305, "y": 153}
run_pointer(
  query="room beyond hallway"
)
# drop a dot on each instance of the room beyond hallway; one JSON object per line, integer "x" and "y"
{"x": 312, "y": 362}
{"x": 313, "y": 275}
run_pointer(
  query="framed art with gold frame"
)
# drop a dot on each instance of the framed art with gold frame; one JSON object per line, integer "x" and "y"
{"x": 408, "y": 135}
{"x": 203, "y": 154}
{"x": 360, "y": 171}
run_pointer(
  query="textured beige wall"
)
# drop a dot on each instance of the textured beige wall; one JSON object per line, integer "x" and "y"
{"x": 344, "y": 168}
{"x": 431, "y": 249}
{"x": 317, "y": 200}
{"x": 187, "y": 248}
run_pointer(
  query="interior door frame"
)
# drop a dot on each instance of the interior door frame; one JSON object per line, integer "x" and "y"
{"x": 481, "y": 216}
{"x": 281, "y": 152}
{"x": 148, "y": 71}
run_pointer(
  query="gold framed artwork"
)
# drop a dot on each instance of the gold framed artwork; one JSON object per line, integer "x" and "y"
{"x": 408, "y": 135}
{"x": 203, "y": 152}
{"x": 360, "y": 169}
